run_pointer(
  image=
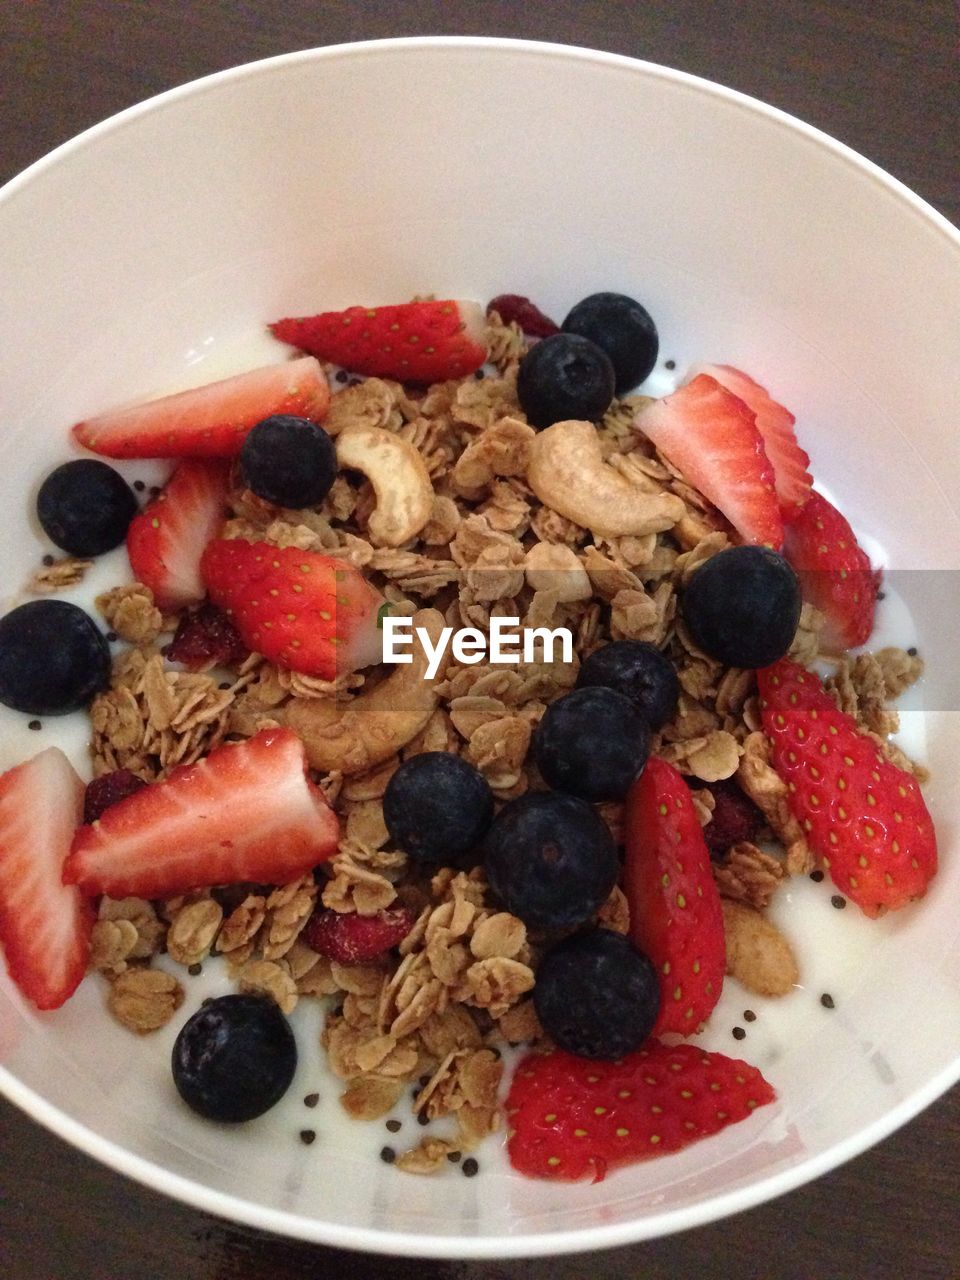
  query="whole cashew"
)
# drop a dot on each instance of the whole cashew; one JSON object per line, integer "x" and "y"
{"x": 354, "y": 736}
{"x": 567, "y": 473}
{"x": 400, "y": 481}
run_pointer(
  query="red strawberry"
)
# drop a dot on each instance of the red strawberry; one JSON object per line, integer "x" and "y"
{"x": 834, "y": 571}
{"x": 711, "y": 437}
{"x": 864, "y": 817}
{"x": 412, "y": 341}
{"x": 209, "y": 421}
{"x": 44, "y": 924}
{"x": 166, "y": 540}
{"x": 349, "y": 938}
{"x": 245, "y": 812}
{"x": 206, "y": 638}
{"x": 776, "y": 425}
{"x": 675, "y": 914}
{"x": 573, "y": 1117}
{"x": 108, "y": 789}
{"x": 312, "y": 613}
{"x": 515, "y": 307}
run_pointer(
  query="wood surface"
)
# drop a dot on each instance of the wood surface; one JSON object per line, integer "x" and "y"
{"x": 882, "y": 76}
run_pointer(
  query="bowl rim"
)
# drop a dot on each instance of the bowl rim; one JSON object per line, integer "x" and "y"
{"x": 406, "y": 1243}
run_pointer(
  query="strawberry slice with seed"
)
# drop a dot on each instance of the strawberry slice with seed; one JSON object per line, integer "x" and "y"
{"x": 45, "y": 925}
{"x": 573, "y": 1118}
{"x": 211, "y": 421}
{"x": 428, "y": 341}
{"x": 245, "y": 812}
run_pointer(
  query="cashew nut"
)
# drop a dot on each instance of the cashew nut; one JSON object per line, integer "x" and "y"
{"x": 502, "y": 450}
{"x": 567, "y": 473}
{"x": 400, "y": 481}
{"x": 552, "y": 566}
{"x": 355, "y": 736}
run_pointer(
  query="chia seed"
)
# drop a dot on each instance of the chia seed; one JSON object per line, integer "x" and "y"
{"x": 739, "y": 1033}
{"x": 387, "y": 1155}
{"x": 341, "y": 375}
{"x": 912, "y": 651}
{"x": 194, "y": 970}
{"x": 479, "y": 375}
{"x": 35, "y": 724}
{"x": 307, "y": 1136}
{"x": 669, "y": 364}
{"x": 311, "y": 1099}
{"x": 139, "y": 486}
{"x": 453, "y": 1157}
{"x": 470, "y": 1168}
{"x": 749, "y": 1015}
{"x": 155, "y": 491}
{"x": 422, "y": 1118}
{"x": 838, "y": 901}
{"x": 816, "y": 876}
{"x": 48, "y": 560}
{"x": 112, "y": 636}
{"x": 394, "y": 1126}
{"x": 827, "y": 1000}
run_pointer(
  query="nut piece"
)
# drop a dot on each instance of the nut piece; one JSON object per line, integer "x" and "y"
{"x": 354, "y": 736}
{"x": 567, "y": 473}
{"x": 758, "y": 955}
{"x": 400, "y": 481}
{"x": 552, "y": 566}
{"x": 502, "y": 450}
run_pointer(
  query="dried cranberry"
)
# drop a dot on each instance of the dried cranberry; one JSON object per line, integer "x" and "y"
{"x": 735, "y": 818}
{"x": 349, "y": 938}
{"x": 206, "y": 637}
{"x": 106, "y": 790}
{"x": 514, "y": 306}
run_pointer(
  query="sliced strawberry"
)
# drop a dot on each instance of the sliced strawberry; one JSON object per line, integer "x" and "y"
{"x": 573, "y": 1117}
{"x": 675, "y": 914}
{"x": 835, "y": 573}
{"x": 776, "y": 424}
{"x": 711, "y": 437}
{"x": 206, "y": 637}
{"x": 312, "y": 613}
{"x": 44, "y": 924}
{"x": 515, "y": 308}
{"x": 166, "y": 540}
{"x": 410, "y": 341}
{"x": 209, "y": 421}
{"x": 350, "y": 938}
{"x": 864, "y": 817}
{"x": 245, "y": 812}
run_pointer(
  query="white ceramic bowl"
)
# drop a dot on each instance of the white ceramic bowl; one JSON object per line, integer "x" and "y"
{"x": 147, "y": 252}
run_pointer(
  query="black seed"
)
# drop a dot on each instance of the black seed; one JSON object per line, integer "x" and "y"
{"x": 749, "y": 1015}
{"x": 311, "y": 1099}
{"x": 112, "y": 636}
{"x": 424, "y": 1081}
{"x": 827, "y": 1001}
{"x": 224, "y": 684}
{"x": 139, "y": 486}
{"x": 838, "y": 901}
{"x": 49, "y": 560}
{"x": 394, "y": 1126}
{"x": 816, "y": 876}
{"x": 155, "y": 491}
{"x": 478, "y": 374}
{"x": 387, "y": 1155}
{"x": 34, "y": 724}
{"x": 307, "y": 1136}
{"x": 470, "y": 1167}
{"x": 912, "y": 651}
{"x": 194, "y": 970}
{"x": 739, "y": 1033}
{"x": 422, "y": 1118}
{"x": 669, "y": 364}
{"x": 341, "y": 375}
{"x": 453, "y": 1157}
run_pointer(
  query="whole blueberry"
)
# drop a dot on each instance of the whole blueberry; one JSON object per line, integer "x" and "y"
{"x": 235, "y": 1058}
{"x": 592, "y": 743}
{"x": 623, "y": 329}
{"x": 639, "y": 671}
{"x": 437, "y": 808}
{"x": 551, "y": 860}
{"x": 596, "y": 995}
{"x": 85, "y": 507}
{"x": 288, "y": 461}
{"x": 53, "y": 658}
{"x": 564, "y": 377}
{"x": 742, "y": 606}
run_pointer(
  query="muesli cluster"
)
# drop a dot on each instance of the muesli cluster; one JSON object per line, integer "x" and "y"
{"x": 458, "y": 502}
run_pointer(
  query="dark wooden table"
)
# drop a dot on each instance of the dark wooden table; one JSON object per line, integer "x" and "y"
{"x": 881, "y": 75}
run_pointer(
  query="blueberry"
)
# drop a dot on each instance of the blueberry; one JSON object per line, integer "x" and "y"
{"x": 53, "y": 658}
{"x": 85, "y": 507}
{"x": 742, "y": 606}
{"x": 597, "y": 995}
{"x": 563, "y": 377}
{"x": 641, "y": 672}
{"x": 623, "y": 329}
{"x": 592, "y": 743}
{"x": 235, "y": 1058}
{"x": 288, "y": 461}
{"x": 437, "y": 808}
{"x": 551, "y": 860}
